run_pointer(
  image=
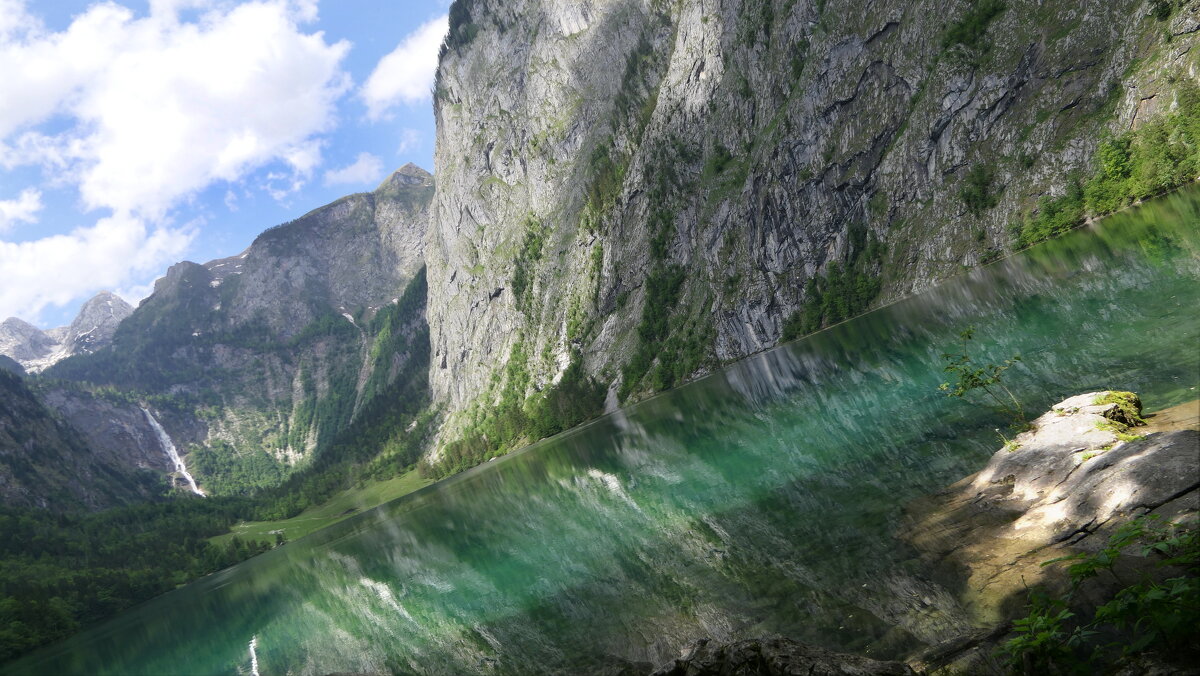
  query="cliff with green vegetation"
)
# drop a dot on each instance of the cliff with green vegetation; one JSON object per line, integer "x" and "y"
{"x": 47, "y": 464}
{"x": 256, "y": 362}
{"x": 632, "y": 192}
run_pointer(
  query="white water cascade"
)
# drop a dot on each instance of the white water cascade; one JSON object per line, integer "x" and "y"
{"x": 168, "y": 447}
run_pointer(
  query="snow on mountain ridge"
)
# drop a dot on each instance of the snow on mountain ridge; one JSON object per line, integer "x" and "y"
{"x": 92, "y": 329}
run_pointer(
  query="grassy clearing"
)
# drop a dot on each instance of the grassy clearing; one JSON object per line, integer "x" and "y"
{"x": 344, "y": 505}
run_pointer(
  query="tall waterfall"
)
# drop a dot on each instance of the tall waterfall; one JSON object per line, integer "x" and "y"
{"x": 168, "y": 447}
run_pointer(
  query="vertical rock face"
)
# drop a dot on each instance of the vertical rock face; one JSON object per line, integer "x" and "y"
{"x": 632, "y": 179}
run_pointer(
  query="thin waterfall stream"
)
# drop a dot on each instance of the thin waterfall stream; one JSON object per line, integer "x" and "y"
{"x": 168, "y": 447}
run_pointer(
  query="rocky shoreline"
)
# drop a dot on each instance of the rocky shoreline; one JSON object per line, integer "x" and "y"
{"x": 1085, "y": 468}
{"x": 1062, "y": 488}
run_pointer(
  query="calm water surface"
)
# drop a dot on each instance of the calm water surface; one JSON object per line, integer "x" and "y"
{"x": 759, "y": 500}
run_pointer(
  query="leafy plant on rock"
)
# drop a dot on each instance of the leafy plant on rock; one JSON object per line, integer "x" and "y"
{"x": 970, "y": 376}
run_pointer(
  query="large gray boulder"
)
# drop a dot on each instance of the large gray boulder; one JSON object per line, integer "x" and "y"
{"x": 1062, "y": 488}
{"x": 1081, "y": 467}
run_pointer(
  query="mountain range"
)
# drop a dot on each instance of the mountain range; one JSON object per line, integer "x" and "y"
{"x": 92, "y": 329}
{"x": 629, "y": 194}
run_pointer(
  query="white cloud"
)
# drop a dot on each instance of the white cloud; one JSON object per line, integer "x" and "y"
{"x": 143, "y": 113}
{"x": 56, "y": 270}
{"x": 14, "y": 18}
{"x": 135, "y": 294}
{"x": 24, "y": 208}
{"x": 406, "y": 75}
{"x": 366, "y": 169}
{"x": 162, "y": 108}
{"x": 410, "y": 140}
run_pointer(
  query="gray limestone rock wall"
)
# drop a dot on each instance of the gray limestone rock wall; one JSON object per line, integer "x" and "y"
{"x": 355, "y": 253}
{"x": 47, "y": 463}
{"x": 592, "y": 154}
{"x": 116, "y": 433}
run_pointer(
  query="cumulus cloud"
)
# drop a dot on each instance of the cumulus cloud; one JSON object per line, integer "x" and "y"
{"x": 406, "y": 75}
{"x": 58, "y": 269}
{"x": 163, "y": 108}
{"x": 410, "y": 140}
{"x": 367, "y": 168}
{"x": 141, "y": 113}
{"x": 24, "y": 208}
{"x": 14, "y": 18}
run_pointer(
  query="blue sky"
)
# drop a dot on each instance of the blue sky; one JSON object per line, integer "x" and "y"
{"x": 135, "y": 134}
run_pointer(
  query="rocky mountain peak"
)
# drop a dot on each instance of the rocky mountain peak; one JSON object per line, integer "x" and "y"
{"x": 92, "y": 329}
{"x": 96, "y": 323}
{"x": 409, "y": 174}
{"x": 22, "y": 341}
{"x": 18, "y": 326}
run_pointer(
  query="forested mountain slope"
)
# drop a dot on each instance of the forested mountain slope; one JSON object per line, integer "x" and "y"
{"x": 252, "y": 362}
{"x": 45, "y": 463}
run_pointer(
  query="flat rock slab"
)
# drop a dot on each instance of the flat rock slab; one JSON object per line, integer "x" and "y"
{"x": 1067, "y": 485}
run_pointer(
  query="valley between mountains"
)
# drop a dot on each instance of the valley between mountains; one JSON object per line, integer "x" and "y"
{"x": 628, "y": 195}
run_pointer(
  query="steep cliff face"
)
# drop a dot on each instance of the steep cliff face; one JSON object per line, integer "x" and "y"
{"x": 254, "y": 361}
{"x": 648, "y": 189}
{"x": 46, "y": 463}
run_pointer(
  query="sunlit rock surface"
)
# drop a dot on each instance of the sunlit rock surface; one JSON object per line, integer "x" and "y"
{"x": 754, "y": 144}
{"x": 1063, "y": 488}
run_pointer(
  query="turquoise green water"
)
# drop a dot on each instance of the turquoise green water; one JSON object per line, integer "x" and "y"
{"x": 762, "y": 499}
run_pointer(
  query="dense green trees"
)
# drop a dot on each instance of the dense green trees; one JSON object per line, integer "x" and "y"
{"x": 969, "y": 30}
{"x": 845, "y": 290}
{"x": 60, "y": 572}
{"x": 63, "y": 571}
{"x": 1161, "y": 155}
